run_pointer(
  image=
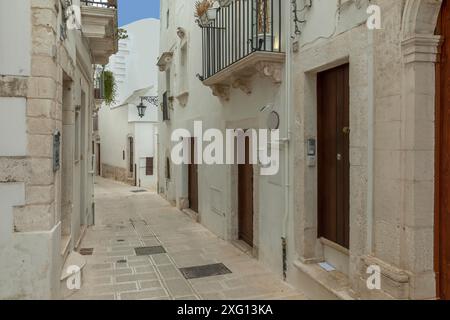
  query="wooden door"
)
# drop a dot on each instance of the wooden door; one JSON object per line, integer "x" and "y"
{"x": 443, "y": 158}
{"x": 131, "y": 147}
{"x": 99, "y": 160}
{"x": 193, "y": 179}
{"x": 245, "y": 197}
{"x": 333, "y": 155}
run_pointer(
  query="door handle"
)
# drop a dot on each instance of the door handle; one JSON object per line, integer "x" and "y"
{"x": 346, "y": 130}
{"x": 339, "y": 157}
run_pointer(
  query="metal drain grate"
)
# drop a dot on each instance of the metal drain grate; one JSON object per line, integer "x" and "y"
{"x": 149, "y": 251}
{"x": 138, "y": 191}
{"x": 205, "y": 271}
{"x": 86, "y": 251}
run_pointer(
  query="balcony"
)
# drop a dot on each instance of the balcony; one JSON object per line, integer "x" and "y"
{"x": 243, "y": 40}
{"x": 99, "y": 21}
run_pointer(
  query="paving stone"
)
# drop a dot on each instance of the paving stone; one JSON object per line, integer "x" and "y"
{"x": 103, "y": 289}
{"x": 154, "y": 284}
{"x": 188, "y": 298}
{"x": 102, "y": 266}
{"x": 169, "y": 272}
{"x": 161, "y": 259}
{"x": 146, "y": 269}
{"x": 143, "y": 295}
{"x": 124, "y": 271}
{"x": 140, "y": 263}
{"x": 136, "y": 277}
{"x": 208, "y": 287}
{"x": 125, "y": 287}
{"x": 101, "y": 280}
{"x": 179, "y": 288}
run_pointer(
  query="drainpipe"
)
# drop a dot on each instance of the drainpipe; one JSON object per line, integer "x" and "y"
{"x": 286, "y": 140}
{"x": 370, "y": 143}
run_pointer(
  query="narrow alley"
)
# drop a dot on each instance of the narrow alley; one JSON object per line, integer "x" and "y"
{"x": 126, "y": 220}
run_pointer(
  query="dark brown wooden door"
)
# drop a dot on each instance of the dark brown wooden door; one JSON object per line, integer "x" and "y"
{"x": 443, "y": 158}
{"x": 245, "y": 197}
{"x": 99, "y": 159}
{"x": 333, "y": 155}
{"x": 193, "y": 180}
{"x": 131, "y": 146}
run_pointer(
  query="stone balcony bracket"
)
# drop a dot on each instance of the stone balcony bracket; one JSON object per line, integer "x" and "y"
{"x": 99, "y": 25}
{"x": 240, "y": 74}
{"x": 164, "y": 61}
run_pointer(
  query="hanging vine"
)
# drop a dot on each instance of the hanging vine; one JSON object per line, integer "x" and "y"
{"x": 110, "y": 87}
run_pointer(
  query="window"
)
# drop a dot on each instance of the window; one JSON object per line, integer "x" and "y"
{"x": 131, "y": 152}
{"x": 168, "y": 19}
{"x": 149, "y": 166}
{"x": 167, "y": 168}
{"x": 165, "y": 107}
{"x": 77, "y": 136}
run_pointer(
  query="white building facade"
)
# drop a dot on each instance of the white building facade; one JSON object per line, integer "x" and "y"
{"x": 127, "y": 142}
{"x": 363, "y": 140}
{"x": 46, "y": 107}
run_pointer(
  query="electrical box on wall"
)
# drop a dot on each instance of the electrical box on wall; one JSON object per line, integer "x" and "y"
{"x": 311, "y": 149}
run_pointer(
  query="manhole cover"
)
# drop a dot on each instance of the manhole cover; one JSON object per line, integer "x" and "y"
{"x": 120, "y": 240}
{"x": 205, "y": 271}
{"x": 86, "y": 251}
{"x": 148, "y": 251}
{"x": 138, "y": 191}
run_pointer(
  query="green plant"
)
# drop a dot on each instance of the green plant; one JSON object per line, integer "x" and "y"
{"x": 122, "y": 34}
{"x": 110, "y": 87}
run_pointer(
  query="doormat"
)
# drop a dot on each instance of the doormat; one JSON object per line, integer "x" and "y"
{"x": 149, "y": 251}
{"x": 209, "y": 270}
{"x": 138, "y": 191}
{"x": 86, "y": 251}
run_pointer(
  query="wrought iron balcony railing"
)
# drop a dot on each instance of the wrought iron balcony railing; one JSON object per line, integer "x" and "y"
{"x": 100, "y": 3}
{"x": 240, "y": 29}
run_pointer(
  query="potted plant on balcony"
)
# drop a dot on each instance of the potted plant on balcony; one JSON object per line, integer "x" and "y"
{"x": 263, "y": 37}
{"x": 201, "y": 11}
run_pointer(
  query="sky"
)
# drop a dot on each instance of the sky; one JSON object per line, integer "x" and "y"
{"x": 133, "y": 10}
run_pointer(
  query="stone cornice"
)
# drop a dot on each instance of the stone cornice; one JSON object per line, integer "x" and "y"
{"x": 421, "y": 48}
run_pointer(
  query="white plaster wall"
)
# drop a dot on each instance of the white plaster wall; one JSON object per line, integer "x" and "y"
{"x": 135, "y": 63}
{"x": 145, "y": 148}
{"x": 13, "y": 125}
{"x": 134, "y": 69}
{"x": 113, "y": 130}
{"x": 35, "y": 275}
{"x": 216, "y": 185}
{"x": 15, "y": 37}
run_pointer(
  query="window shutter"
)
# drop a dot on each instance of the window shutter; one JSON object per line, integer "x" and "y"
{"x": 149, "y": 167}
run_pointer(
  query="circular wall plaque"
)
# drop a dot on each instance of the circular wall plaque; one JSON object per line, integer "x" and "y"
{"x": 273, "y": 120}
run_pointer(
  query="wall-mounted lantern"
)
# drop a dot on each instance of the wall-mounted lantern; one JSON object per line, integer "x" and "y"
{"x": 153, "y": 100}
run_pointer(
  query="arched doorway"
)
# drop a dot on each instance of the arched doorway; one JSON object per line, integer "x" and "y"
{"x": 442, "y": 203}
{"x": 422, "y": 98}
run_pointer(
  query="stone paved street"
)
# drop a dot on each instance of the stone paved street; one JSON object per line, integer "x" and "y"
{"x": 126, "y": 220}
